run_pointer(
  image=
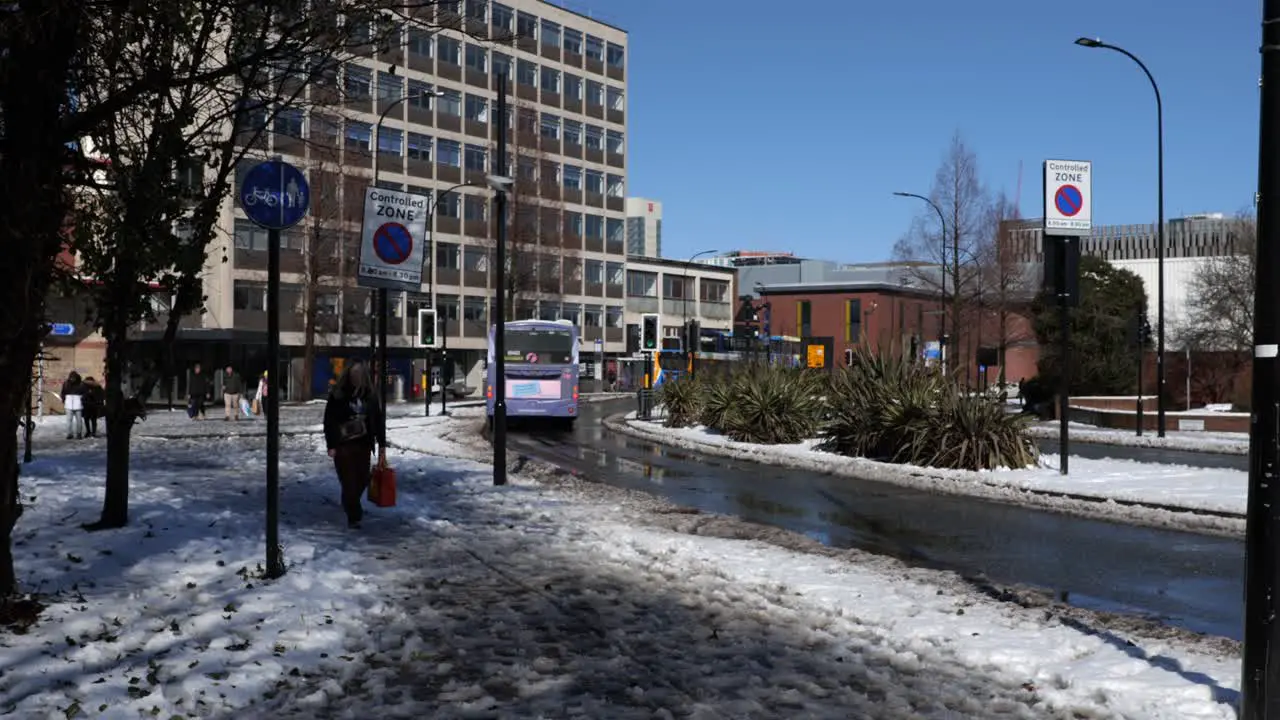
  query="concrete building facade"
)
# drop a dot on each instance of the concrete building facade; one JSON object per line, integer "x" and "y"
{"x": 644, "y": 227}
{"x": 679, "y": 291}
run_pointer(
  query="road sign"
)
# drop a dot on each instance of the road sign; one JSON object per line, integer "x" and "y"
{"x": 62, "y": 329}
{"x": 1068, "y": 197}
{"x": 599, "y": 345}
{"x": 394, "y": 236}
{"x": 275, "y": 195}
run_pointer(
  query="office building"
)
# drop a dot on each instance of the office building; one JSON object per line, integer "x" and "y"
{"x": 644, "y": 227}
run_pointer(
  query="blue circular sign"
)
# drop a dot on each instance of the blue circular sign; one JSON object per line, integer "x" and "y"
{"x": 275, "y": 195}
{"x": 392, "y": 243}
{"x": 1068, "y": 200}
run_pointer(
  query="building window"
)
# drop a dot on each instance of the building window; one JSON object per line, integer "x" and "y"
{"x": 450, "y": 103}
{"x": 573, "y": 41}
{"x": 448, "y": 50}
{"x": 477, "y": 58}
{"x": 527, "y": 169}
{"x": 419, "y": 147}
{"x": 289, "y": 122}
{"x": 595, "y": 272}
{"x": 635, "y": 236}
{"x": 359, "y": 135}
{"x": 595, "y": 137}
{"x": 550, "y": 80}
{"x": 572, "y": 87}
{"x": 477, "y": 158}
{"x": 527, "y": 73}
{"x": 449, "y": 152}
{"x": 616, "y": 56}
{"x": 613, "y": 142}
{"x": 613, "y": 230}
{"x": 449, "y": 205}
{"x": 674, "y": 287}
{"x": 477, "y": 108}
{"x": 713, "y": 291}
{"x": 615, "y": 272}
{"x": 357, "y": 82}
{"x": 550, "y": 34}
{"x": 476, "y": 10}
{"x": 448, "y": 255}
{"x": 390, "y": 141}
{"x": 642, "y": 284}
{"x": 550, "y": 126}
{"x": 615, "y": 99}
{"x": 419, "y": 42}
{"x": 572, "y": 224}
{"x": 474, "y": 207}
{"x": 501, "y": 17}
{"x": 390, "y": 87}
{"x": 473, "y": 309}
{"x": 595, "y": 93}
{"x": 572, "y": 132}
{"x": 249, "y": 296}
{"x": 420, "y": 95}
{"x": 476, "y": 259}
{"x": 249, "y": 236}
{"x": 593, "y": 316}
{"x": 573, "y": 177}
{"x": 616, "y": 187}
{"x": 595, "y": 48}
{"x": 551, "y": 172}
{"x": 804, "y": 316}
{"x": 501, "y": 64}
{"x": 595, "y": 227}
{"x": 595, "y": 182}
{"x": 852, "y": 320}
{"x": 526, "y": 26}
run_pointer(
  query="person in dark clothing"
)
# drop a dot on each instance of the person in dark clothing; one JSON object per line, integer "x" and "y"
{"x": 232, "y": 389}
{"x": 73, "y": 405}
{"x": 198, "y": 393}
{"x": 353, "y": 421}
{"x": 95, "y": 400}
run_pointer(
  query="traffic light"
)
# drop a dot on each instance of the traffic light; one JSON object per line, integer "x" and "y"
{"x": 633, "y": 339}
{"x": 692, "y": 332}
{"x": 426, "y": 327}
{"x": 650, "y": 332}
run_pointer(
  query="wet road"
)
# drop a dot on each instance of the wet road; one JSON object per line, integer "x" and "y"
{"x": 1184, "y": 579}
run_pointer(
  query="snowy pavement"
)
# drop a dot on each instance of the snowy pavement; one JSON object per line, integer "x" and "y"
{"x": 538, "y": 599}
{"x": 1163, "y": 495}
{"x": 1227, "y": 443}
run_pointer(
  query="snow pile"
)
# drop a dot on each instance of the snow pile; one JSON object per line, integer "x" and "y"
{"x": 1159, "y": 494}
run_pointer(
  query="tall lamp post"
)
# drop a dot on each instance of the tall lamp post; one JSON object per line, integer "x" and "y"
{"x": 1160, "y": 250}
{"x": 691, "y": 353}
{"x": 378, "y": 325}
{"x": 500, "y": 184}
{"x": 942, "y": 316}
{"x": 429, "y": 261}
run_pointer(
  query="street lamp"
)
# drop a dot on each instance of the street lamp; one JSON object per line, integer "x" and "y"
{"x": 942, "y": 316}
{"x": 1160, "y": 250}
{"x": 690, "y": 353}
{"x": 378, "y": 321}
{"x": 429, "y": 261}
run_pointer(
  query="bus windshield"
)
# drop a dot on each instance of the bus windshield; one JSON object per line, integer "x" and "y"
{"x": 539, "y": 346}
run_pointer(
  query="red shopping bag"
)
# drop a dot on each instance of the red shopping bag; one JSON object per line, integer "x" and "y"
{"x": 382, "y": 483}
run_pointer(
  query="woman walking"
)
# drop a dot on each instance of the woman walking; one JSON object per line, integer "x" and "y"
{"x": 352, "y": 423}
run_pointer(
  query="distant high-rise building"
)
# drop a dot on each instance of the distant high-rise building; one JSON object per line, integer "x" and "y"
{"x": 644, "y": 227}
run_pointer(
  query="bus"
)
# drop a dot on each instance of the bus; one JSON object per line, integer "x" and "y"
{"x": 541, "y": 361}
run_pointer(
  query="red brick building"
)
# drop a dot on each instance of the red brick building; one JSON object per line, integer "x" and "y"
{"x": 895, "y": 319}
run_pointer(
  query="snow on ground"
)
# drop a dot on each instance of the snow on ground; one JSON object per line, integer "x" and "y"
{"x": 1165, "y": 495}
{"x": 1229, "y": 443}
{"x": 528, "y": 600}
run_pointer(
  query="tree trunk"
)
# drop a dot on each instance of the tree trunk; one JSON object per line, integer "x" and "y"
{"x": 10, "y": 507}
{"x": 120, "y": 418}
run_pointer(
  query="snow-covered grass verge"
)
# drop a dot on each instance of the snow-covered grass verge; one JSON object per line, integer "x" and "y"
{"x": 1207, "y": 442}
{"x": 1185, "y": 498}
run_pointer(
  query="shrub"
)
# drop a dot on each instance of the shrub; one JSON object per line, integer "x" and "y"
{"x": 769, "y": 405}
{"x": 717, "y": 401}
{"x": 894, "y": 410}
{"x": 682, "y": 401}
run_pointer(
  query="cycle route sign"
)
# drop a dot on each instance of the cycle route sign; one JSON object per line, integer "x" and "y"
{"x": 393, "y": 240}
{"x": 275, "y": 195}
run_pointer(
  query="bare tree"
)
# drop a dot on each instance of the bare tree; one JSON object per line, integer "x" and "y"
{"x": 321, "y": 265}
{"x": 1220, "y": 308}
{"x": 1006, "y": 285}
{"x": 964, "y": 202}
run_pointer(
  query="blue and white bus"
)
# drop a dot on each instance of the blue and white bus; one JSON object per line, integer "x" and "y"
{"x": 541, "y": 360}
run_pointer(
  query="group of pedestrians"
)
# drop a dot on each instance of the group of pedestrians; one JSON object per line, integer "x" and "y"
{"x": 200, "y": 394}
{"x": 85, "y": 402}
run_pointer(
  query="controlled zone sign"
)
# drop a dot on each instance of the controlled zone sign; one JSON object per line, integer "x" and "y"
{"x": 1068, "y": 197}
{"x": 393, "y": 240}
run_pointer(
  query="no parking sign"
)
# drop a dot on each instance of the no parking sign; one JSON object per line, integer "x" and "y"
{"x": 394, "y": 238}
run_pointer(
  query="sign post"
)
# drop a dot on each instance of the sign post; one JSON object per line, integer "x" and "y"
{"x": 1068, "y": 216}
{"x": 393, "y": 237}
{"x": 274, "y": 196}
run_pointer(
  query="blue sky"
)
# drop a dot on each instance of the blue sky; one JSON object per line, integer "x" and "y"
{"x": 761, "y": 128}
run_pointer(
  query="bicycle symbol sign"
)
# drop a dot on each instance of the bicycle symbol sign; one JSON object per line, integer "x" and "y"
{"x": 274, "y": 195}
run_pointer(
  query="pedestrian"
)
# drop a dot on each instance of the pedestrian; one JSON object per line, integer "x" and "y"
{"x": 260, "y": 396}
{"x": 198, "y": 393}
{"x": 95, "y": 401}
{"x": 73, "y": 404}
{"x": 232, "y": 389}
{"x": 352, "y": 424}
